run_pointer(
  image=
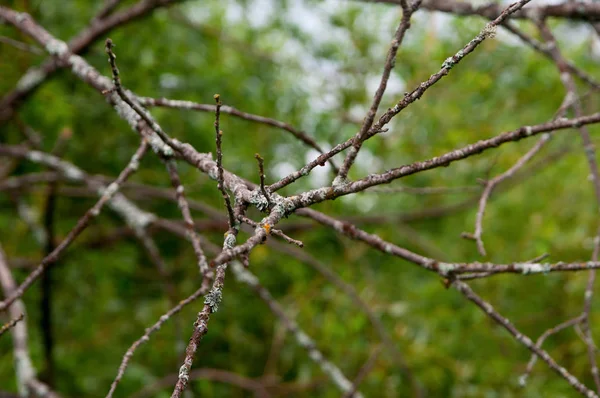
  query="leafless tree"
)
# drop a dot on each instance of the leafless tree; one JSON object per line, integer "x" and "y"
{"x": 239, "y": 194}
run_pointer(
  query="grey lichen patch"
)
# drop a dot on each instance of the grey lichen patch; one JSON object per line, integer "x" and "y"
{"x": 229, "y": 241}
{"x": 565, "y": 78}
{"x": 159, "y": 146}
{"x": 259, "y": 201}
{"x": 339, "y": 181}
{"x": 448, "y": 63}
{"x": 213, "y": 299}
{"x": 24, "y": 369}
{"x": 85, "y": 71}
{"x": 288, "y": 205}
{"x": 183, "y": 373}
{"x": 56, "y": 47}
{"x": 283, "y": 206}
{"x": 128, "y": 114}
{"x": 489, "y": 32}
{"x": 446, "y": 268}
{"x": 533, "y": 268}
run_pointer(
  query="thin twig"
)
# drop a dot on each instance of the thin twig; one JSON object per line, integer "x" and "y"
{"x": 164, "y": 318}
{"x": 569, "y": 9}
{"x": 21, "y": 45}
{"x": 335, "y": 374}
{"x": 363, "y": 372}
{"x": 407, "y": 11}
{"x": 273, "y": 231}
{"x": 491, "y": 184}
{"x": 11, "y": 324}
{"x": 37, "y": 75}
{"x": 212, "y": 300}
{"x": 230, "y": 110}
{"x": 187, "y": 215}
{"x": 540, "y": 342}
{"x": 129, "y": 100}
{"x": 81, "y": 225}
{"x": 220, "y": 186}
{"x": 585, "y": 322}
{"x": 488, "y": 31}
{"x": 261, "y": 171}
{"x": 27, "y": 382}
{"x": 590, "y": 154}
{"x": 523, "y": 339}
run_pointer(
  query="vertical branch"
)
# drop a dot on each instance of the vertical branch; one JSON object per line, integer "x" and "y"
{"x": 46, "y": 287}
{"x": 26, "y": 373}
{"x": 164, "y": 318}
{"x": 587, "y": 309}
{"x": 590, "y": 153}
{"x": 213, "y": 299}
{"x": 261, "y": 171}
{"x": 491, "y": 184}
{"x": 47, "y": 280}
{"x": 407, "y": 11}
{"x": 187, "y": 215}
{"x": 220, "y": 186}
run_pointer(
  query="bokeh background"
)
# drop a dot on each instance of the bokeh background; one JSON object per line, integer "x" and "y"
{"x": 314, "y": 65}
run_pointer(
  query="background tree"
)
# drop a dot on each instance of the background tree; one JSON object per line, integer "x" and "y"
{"x": 350, "y": 249}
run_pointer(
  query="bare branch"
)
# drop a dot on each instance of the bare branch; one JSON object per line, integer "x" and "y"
{"x": 521, "y": 338}
{"x": 219, "y": 136}
{"x": 261, "y": 171}
{"x": 335, "y": 374}
{"x": 567, "y": 9}
{"x": 540, "y": 341}
{"x": 407, "y": 11}
{"x": 106, "y": 195}
{"x": 364, "y": 371}
{"x": 189, "y": 105}
{"x": 488, "y": 31}
{"x": 187, "y": 216}
{"x": 27, "y": 381}
{"x": 11, "y": 324}
{"x": 164, "y": 318}
{"x": 35, "y": 76}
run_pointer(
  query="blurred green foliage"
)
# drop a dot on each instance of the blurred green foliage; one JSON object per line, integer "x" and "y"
{"x": 310, "y": 64}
